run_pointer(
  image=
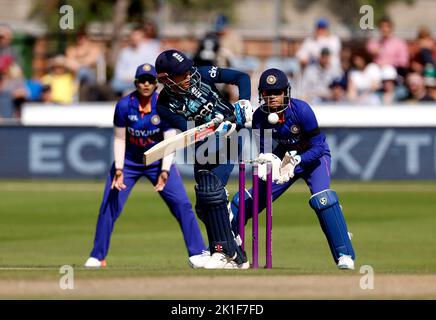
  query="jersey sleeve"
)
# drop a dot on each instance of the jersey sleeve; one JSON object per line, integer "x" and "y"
{"x": 228, "y": 76}
{"x": 311, "y": 132}
{"x": 120, "y": 115}
{"x": 171, "y": 120}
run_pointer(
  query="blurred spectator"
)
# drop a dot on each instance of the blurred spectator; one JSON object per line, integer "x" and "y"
{"x": 221, "y": 46}
{"x": 230, "y": 42}
{"x": 207, "y": 52}
{"x": 12, "y": 88}
{"x": 5, "y": 44}
{"x": 6, "y": 104}
{"x": 82, "y": 59}
{"x": 317, "y": 78}
{"x": 310, "y": 50}
{"x": 430, "y": 80}
{"x": 338, "y": 91}
{"x": 364, "y": 78}
{"x": 141, "y": 49}
{"x": 45, "y": 96}
{"x": 391, "y": 92}
{"x": 417, "y": 63}
{"x": 425, "y": 45}
{"x": 417, "y": 89}
{"x": 389, "y": 49}
{"x": 60, "y": 80}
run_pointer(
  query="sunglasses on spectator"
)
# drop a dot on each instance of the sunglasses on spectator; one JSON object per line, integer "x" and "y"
{"x": 147, "y": 78}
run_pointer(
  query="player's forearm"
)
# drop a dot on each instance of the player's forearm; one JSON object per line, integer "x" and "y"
{"x": 240, "y": 79}
{"x": 169, "y": 159}
{"x": 174, "y": 120}
{"x": 315, "y": 152}
{"x": 119, "y": 146}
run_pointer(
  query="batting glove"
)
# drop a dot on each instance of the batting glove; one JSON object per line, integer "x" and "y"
{"x": 244, "y": 113}
{"x": 226, "y": 128}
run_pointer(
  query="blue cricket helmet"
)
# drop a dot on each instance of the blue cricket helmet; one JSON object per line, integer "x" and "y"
{"x": 273, "y": 80}
{"x": 173, "y": 62}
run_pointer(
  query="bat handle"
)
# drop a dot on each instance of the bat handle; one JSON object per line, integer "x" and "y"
{"x": 232, "y": 118}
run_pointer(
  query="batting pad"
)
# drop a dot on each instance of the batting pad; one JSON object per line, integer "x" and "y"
{"x": 211, "y": 207}
{"x": 331, "y": 218}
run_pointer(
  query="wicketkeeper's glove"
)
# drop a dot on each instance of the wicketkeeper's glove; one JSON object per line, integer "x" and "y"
{"x": 289, "y": 162}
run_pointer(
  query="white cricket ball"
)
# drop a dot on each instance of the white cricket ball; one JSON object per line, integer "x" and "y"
{"x": 273, "y": 118}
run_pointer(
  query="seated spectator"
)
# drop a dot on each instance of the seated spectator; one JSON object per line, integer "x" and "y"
{"x": 5, "y": 44}
{"x": 207, "y": 51}
{"x": 60, "y": 80}
{"x": 12, "y": 88}
{"x": 311, "y": 47}
{"x": 417, "y": 64}
{"x": 425, "y": 45}
{"x": 364, "y": 78}
{"x": 138, "y": 51}
{"x": 430, "y": 80}
{"x": 338, "y": 91}
{"x": 391, "y": 91}
{"x": 417, "y": 89}
{"x": 389, "y": 49}
{"x": 82, "y": 59}
{"x": 317, "y": 78}
{"x": 231, "y": 44}
{"x": 45, "y": 96}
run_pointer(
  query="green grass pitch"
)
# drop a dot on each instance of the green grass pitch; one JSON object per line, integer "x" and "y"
{"x": 45, "y": 224}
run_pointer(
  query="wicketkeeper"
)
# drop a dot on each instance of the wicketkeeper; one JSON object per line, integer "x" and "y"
{"x": 299, "y": 151}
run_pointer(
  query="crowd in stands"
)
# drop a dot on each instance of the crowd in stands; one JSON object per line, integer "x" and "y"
{"x": 383, "y": 70}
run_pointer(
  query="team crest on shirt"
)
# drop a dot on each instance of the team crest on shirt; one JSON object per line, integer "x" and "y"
{"x": 155, "y": 120}
{"x": 133, "y": 117}
{"x": 295, "y": 129}
{"x": 146, "y": 67}
{"x": 271, "y": 79}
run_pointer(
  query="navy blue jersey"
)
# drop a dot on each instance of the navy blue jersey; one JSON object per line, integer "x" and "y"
{"x": 203, "y": 103}
{"x": 297, "y": 131}
{"x": 143, "y": 130}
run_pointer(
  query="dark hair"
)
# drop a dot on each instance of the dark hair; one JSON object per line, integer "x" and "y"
{"x": 385, "y": 19}
{"x": 361, "y": 52}
{"x": 138, "y": 28}
{"x": 150, "y": 29}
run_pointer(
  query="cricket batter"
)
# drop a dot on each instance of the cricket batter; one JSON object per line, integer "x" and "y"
{"x": 190, "y": 94}
{"x": 298, "y": 140}
{"x": 138, "y": 127}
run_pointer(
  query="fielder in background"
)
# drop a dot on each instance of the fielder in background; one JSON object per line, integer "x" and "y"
{"x": 190, "y": 94}
{"x": 138, "y": 127}
{"x": 305, "y": 154}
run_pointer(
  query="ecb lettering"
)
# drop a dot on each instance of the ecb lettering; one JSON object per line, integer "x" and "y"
{"x": 51, "y": 153}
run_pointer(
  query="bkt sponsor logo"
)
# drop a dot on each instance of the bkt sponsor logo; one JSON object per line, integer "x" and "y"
{"x": 381, "y": 154}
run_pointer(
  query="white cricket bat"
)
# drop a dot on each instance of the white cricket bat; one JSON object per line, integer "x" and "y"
{"x": 182, "y": 140}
